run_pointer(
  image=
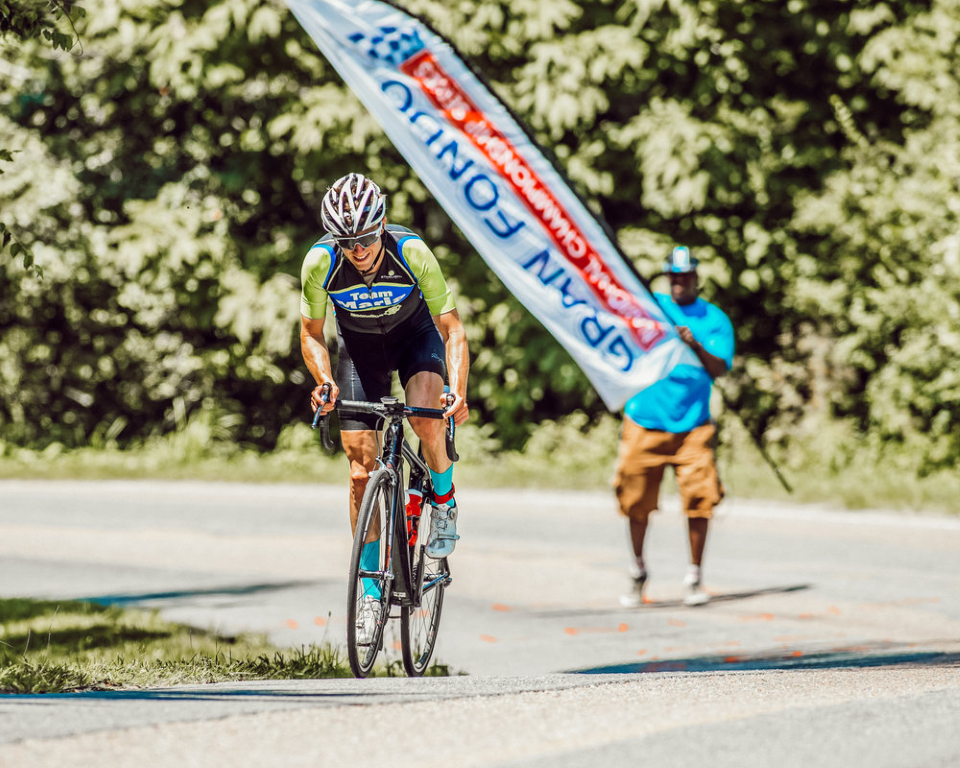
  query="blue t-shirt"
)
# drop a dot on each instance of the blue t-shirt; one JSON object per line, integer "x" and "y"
{"x": 681, "y": 401}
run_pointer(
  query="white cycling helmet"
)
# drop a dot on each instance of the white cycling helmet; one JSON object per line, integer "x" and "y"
{"x": 353, "y": 204}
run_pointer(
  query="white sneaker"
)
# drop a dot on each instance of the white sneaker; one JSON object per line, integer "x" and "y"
{"x": 634, "y": 598}
{"x": 443, "y": 531}
{"x": 694, "y": 590}
{"x": 367, "y": 618}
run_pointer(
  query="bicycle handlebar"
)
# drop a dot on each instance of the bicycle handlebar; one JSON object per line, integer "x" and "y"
{"x": 388, "y": 406}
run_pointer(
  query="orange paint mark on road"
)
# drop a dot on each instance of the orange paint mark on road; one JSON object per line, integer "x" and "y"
{"x": 797, "y": 654}
{"x": 641, "y": 652}
{"x": 320, "y": 621}
{"x": 676, "y": 623}
{"x": 732, "y": 642}
{"x": 806, "y": 616}
{"x": 834, "y": 610}
{"x": 732, "y": 659}
{"x": 595, "y": 630}
{"x": 758, "y": 617}
{"x": 501, "y": 607}
{"x": 488, "y": 638}
{"x": 397, "y": 645}
{"x": 292, "y": 624}
{"x": 647, "y": 600}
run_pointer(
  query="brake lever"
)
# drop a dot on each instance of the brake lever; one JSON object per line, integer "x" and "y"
{"x": 451, "y": 428}
{"x": 323, "y": 422}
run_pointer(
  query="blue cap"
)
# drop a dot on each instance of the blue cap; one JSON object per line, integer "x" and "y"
{"x": 680, "y": 261}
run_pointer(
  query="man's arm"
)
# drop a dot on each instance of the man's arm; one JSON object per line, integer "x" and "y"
{"x": 313, "y": 345}
{"x": 458, "y": 362}
{"x": 715, "y": 366}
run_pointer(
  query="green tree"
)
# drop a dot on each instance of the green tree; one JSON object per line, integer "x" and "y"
{"x": 169, "y": 181}
{"x": 23, "y": 21}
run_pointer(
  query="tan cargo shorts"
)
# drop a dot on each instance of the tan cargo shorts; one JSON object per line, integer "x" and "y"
{"x": 645, "y": 453}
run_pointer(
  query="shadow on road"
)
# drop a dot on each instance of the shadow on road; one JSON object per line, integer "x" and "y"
{"x": 655, "y": 604}
{"x": 873, "y": 655}
{"x": 245, "y": 589}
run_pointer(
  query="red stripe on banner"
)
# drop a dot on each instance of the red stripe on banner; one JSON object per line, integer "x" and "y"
{"x": 447, "y": 96}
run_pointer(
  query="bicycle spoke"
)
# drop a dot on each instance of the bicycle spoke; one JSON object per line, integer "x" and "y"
{"x": 419, "y": 624}
{"x": 368, "y": 594}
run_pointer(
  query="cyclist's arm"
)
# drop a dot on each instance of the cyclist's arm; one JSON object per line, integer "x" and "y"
{"x": 316, "y": 354}
{"x": 458, "y": 362}
{"x": 429, "y": 276}
{"x": 313, "y": 308}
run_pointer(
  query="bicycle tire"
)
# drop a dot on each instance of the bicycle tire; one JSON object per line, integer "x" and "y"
{"x": 375, "y": 509}
{"x": 419, "y": 624}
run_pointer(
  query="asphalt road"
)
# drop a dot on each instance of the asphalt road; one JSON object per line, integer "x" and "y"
{"x": 833, "y": 638}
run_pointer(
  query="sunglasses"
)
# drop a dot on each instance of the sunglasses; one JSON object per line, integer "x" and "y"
{"x": 350, "y": 243}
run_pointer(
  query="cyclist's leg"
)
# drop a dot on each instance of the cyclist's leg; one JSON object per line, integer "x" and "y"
{"x": 423, "y": 390}
{"x": 361, "y": 380}
{"x": 422, "y": 368}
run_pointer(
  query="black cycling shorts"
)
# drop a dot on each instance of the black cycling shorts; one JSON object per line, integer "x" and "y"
{"x": 366, "y": 363}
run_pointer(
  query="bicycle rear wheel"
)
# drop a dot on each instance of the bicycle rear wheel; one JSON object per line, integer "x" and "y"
{"x": 368, "y": 597}
{"x": 419, "y": 624}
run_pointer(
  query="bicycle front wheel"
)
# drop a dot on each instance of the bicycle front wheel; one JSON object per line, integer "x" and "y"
{"x": 419, "y": 624}
{"x": 368, "y": 591}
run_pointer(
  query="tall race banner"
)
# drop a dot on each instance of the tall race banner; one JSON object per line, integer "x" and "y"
{"x": 501, "y": 191}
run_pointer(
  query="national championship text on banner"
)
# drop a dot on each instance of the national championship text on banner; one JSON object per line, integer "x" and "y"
{"x": 501, "y": 191}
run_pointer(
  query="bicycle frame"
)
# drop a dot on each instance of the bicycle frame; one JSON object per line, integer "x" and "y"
{"x": 406, "y": 582}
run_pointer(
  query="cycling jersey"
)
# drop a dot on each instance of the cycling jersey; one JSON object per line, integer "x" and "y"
{"x": 408, "y": 283}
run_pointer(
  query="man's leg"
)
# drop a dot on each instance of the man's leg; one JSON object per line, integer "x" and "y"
{"x": 637, "y": 479}
{"x": 698, "y": 538}
{"x": 424, "y": 390}
{"x": 361, "y": 449}
{"x": 638, "y": 532}
{"x": 700, "y": 492}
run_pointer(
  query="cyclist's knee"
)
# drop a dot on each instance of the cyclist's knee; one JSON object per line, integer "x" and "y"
{"x": 428, "y": 430}
{"x": 359, "y": 472}
{"x": 361, "y": 451}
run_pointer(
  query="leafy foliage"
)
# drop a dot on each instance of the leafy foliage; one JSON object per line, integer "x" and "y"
{"x": 168, "y": 181}
{"x": 28, "y": 21}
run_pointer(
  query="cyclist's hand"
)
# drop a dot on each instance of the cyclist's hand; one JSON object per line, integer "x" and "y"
{"x": 458, "y": 408}
{"x": 317, "y": 397}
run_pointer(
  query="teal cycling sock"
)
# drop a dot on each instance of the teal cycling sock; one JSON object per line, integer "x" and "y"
{"x": 442, "y": 482}
{"x": 370, "y": 561}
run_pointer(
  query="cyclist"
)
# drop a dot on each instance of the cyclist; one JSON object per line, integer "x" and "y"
{"x": 393, "y": 312}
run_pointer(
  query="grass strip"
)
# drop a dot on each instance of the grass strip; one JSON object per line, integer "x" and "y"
{"x": 62, "y": 646}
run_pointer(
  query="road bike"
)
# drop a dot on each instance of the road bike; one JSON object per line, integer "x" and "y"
{"x": 404, "y": 577}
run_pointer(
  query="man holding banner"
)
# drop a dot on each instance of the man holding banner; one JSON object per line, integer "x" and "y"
{"x": 669, "y": 424}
